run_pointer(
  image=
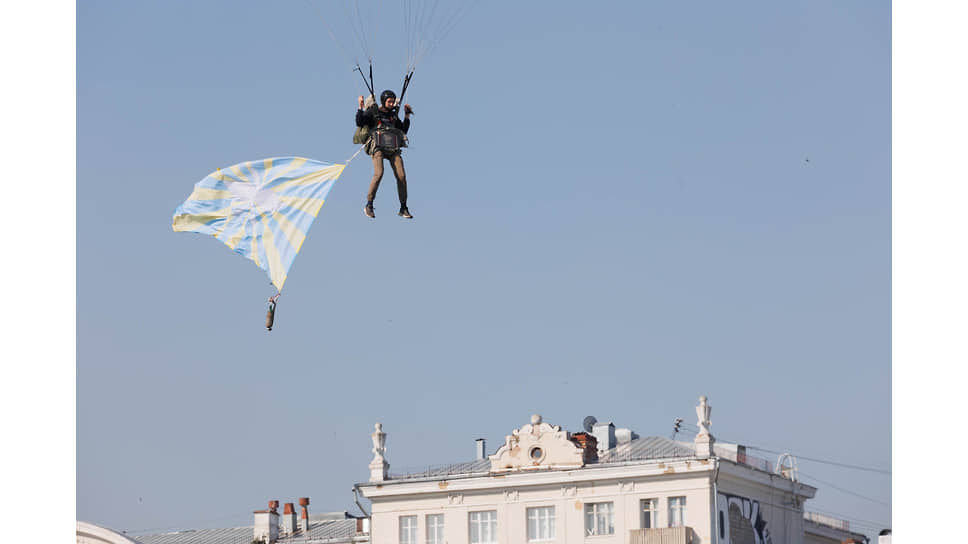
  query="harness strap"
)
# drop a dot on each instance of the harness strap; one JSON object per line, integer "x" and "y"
{"x": 406, "y": 83}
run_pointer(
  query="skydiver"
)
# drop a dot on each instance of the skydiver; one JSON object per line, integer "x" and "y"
{"x": 387, "y": 136}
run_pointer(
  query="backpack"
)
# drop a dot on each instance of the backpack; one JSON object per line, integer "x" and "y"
{"x": 361, "y": 135}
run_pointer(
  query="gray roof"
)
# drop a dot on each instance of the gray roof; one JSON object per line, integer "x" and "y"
{"x": 342, "y": 530}
{"x": 649, "y": 448}
{"x": 233, "y": 535}
{"x": 476, "y": 467}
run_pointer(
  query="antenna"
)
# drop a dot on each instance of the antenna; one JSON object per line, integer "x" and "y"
{"x": 588, "y": 423}
{"x": 789, "y": 470}
{"x": 675, "y": 427}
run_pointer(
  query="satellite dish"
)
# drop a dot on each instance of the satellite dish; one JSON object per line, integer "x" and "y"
{"x": 588, "y": 423}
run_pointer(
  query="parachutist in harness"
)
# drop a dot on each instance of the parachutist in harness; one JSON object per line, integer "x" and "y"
{"x": 386, "y": 136}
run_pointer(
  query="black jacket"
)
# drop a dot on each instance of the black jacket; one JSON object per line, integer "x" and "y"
{"x": 376, "y": 117}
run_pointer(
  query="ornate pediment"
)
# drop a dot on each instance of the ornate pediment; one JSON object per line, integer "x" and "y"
{"x": 537, "y": 445}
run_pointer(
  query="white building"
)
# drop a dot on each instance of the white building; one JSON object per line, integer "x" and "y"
{"x": 600, "y": 486}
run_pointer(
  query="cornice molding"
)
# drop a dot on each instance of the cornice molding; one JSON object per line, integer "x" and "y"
{"x": 669, "y": 469}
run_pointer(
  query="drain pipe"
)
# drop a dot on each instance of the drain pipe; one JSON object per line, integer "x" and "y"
{"x": 356, "y": 499}
{"x": 716, "y": 522}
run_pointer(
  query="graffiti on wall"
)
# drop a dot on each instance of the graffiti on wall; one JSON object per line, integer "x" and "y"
{"x": 740, "y": 521}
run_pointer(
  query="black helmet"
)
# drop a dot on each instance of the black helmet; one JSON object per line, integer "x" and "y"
{"x": 386, "y": 94}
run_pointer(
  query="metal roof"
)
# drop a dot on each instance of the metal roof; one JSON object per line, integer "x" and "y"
{"x": 476, "y": 467}
{"x": 649, "y": 448}
{"x": 342, "y": 530}
{"x": 233, "y": 535}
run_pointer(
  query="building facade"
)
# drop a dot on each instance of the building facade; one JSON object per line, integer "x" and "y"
{"x": 600, "y": 486}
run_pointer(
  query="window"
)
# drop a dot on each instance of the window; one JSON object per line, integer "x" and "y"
{"x": 650, "y": 513}
{"x": 677, "y": 511}
{"x": 435, "y": 529}
{"x": 408, "y": 529}
{"x": 599, "y": 518}
{"x": 483, "y": 527}
{"x": 541, "y": 523}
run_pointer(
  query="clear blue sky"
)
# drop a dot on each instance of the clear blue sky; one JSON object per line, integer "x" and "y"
{"x": 618, "y": 209}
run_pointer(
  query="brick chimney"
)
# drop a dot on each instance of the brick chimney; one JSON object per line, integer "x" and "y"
{"x": 304, "y": 502}
{"x": 589, "y": 445}
{"x": 289, "y": 519}
{"x": 266, "y": 525}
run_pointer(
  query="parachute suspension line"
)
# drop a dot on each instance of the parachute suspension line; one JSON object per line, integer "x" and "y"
{"x": 416, "y": 25}
{"x": 406, "y": 28}
{"x": 376, "y": 20}
{"x": 359, "y": 31}
{"x": 366, "y": 46}
{"x": 369, "y": 85}
{"x": 329, "y": 30}
{"x": 408, "y": 23}
{"x": 444, "y": 28}
{"x": 421, "y": 31}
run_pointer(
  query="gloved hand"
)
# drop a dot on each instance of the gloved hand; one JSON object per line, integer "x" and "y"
{"x": 407, "y": 109}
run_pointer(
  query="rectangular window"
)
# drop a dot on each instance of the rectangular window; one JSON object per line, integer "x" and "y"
{"x": 408, "y": 529}
{"x": 650, "y": 513}
{"x": 435, "y": 529}
{"x": 482, "y": 527}
{"x": 599, "y": 518}
{"x": 541, "y": 523}
{"x": 677, "y": 511}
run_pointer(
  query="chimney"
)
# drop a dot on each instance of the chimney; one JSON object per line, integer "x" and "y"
{"x": 604, "y": 433}
{"x": 589, "y": 446}
{"x": 481, "y": 449}
{"x": 624, "y": 436}
{"x": 266, "y": 527}
{"x": 304, "y": 502}
{"x": 289, "y": 519}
